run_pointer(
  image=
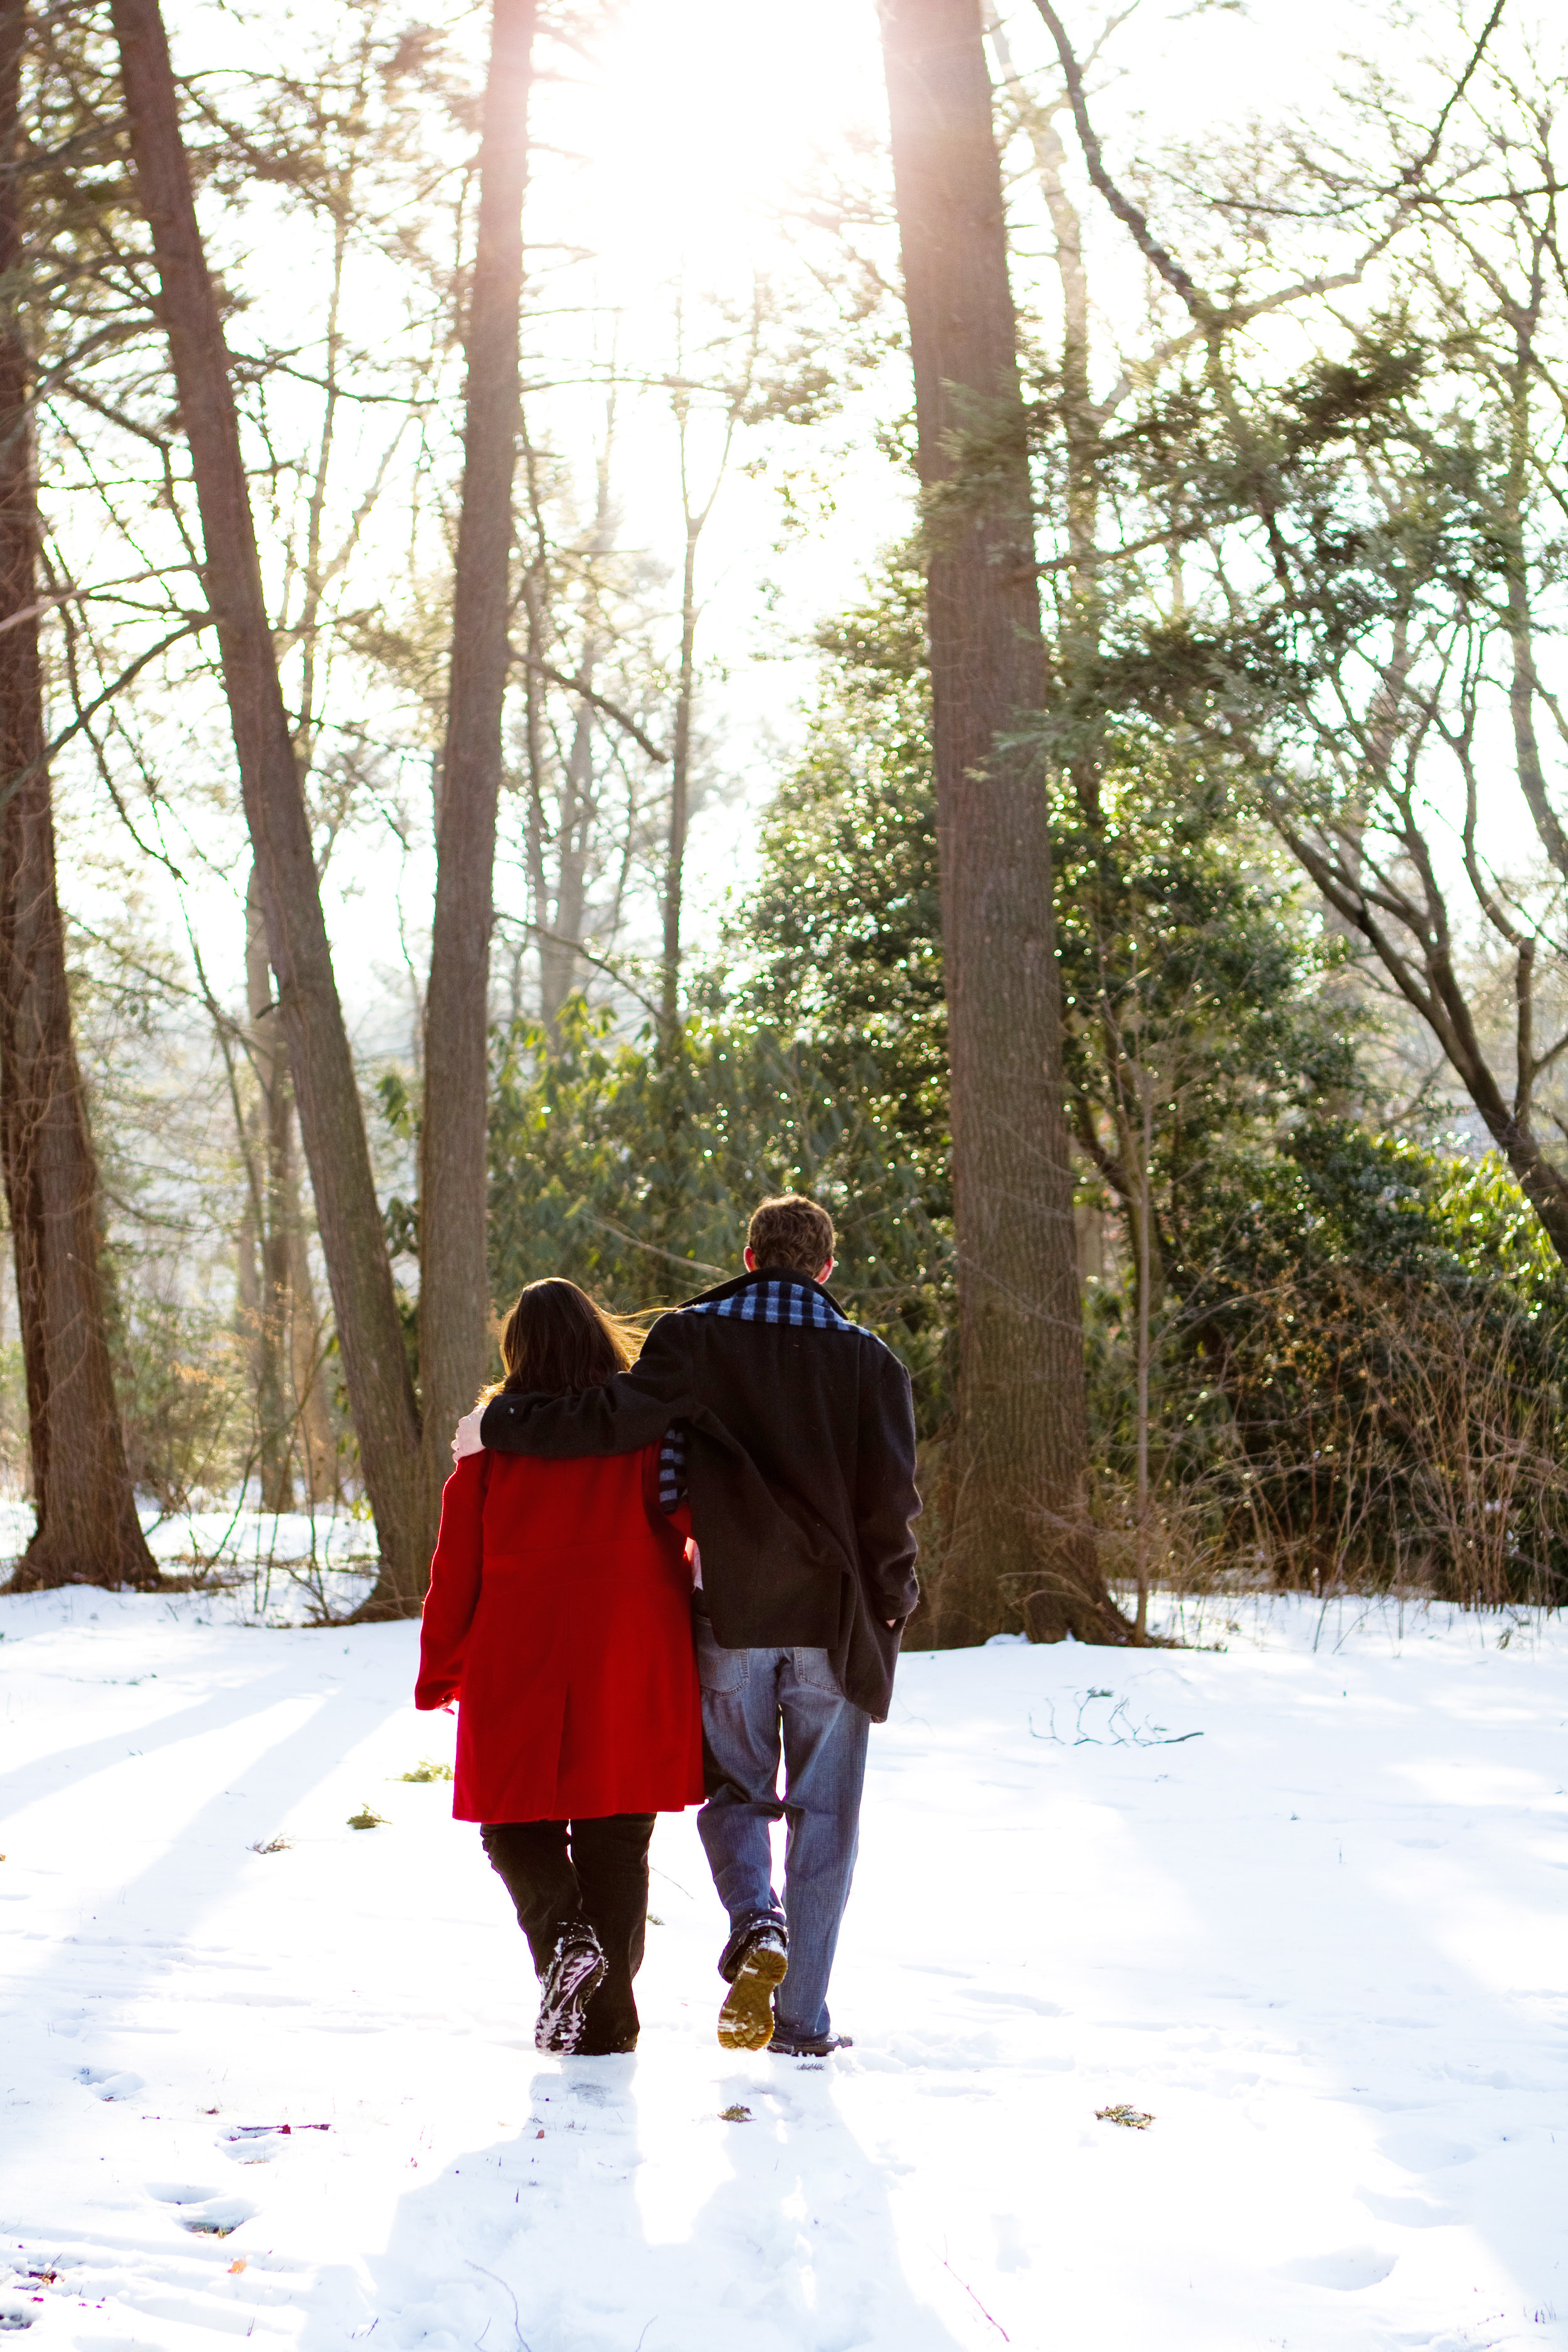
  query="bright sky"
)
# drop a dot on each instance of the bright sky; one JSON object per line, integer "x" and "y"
{"x": 688, "y": 147}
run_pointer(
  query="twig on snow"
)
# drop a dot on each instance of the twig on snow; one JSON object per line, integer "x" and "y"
{"x": 516, "y": 2315}
{"x": 1125, "y": 1733}
{"x": 973, "y": 2299}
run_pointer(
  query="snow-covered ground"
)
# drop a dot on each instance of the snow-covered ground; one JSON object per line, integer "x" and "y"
{"x": 280, "y": 1566}
{"x": 1322, "y": 1944}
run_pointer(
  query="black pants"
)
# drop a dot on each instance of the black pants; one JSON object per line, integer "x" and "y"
{"x": 603, "y": 1879}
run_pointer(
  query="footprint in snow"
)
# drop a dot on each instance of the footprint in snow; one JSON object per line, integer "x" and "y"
{"x": 590, "y": 2092}
{"x": 221, "y": 2219}
{"x": 201, "y": 2209}
{"x": 1010, "y": 2001}
{"x": 105, "y": 2084}
{"x": 1349, "y": 2270}
{"x": 250, "y": 2144}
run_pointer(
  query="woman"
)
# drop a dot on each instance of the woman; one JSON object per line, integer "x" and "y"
{"x": 559, "y": 1616}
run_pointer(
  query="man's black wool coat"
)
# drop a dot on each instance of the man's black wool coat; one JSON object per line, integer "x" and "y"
{"x": 800, "y": 1465}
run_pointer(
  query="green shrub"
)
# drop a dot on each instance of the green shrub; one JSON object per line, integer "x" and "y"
{"x": 1361, "y": 1363}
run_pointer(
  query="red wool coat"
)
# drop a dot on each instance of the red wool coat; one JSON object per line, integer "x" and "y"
{"x": 559, "y": 1616}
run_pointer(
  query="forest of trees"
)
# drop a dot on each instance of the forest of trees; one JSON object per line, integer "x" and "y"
{"x": 1149, "y": 937}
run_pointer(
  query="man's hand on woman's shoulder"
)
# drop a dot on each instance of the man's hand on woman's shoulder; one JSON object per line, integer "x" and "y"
{"x": 466, "y": 1437}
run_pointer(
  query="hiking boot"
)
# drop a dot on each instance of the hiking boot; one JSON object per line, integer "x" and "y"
{"x": 791, "y": 2045}
{"x": 746, "y": 2020}
{"x": 572, "y": 1978}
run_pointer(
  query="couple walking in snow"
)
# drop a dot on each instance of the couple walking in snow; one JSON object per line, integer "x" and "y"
{"x": 659, "y": 1574}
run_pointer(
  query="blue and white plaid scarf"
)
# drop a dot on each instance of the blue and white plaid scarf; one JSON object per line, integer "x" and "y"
{"x": 777, "y": 1300}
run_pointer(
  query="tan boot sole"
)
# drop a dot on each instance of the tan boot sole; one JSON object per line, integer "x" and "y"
{"x": 746, "y": 2020}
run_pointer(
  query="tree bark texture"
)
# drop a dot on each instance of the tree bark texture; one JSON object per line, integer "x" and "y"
{"x": 269, "y": 1277}
{"x": 290, "y": 1388}
{"x": 455, "y": 1344}
{"x": 1020, "y": 1543}
{"x": 307, "y": 1343}
{"x": 576, "y": 828}
{"x": 558, "y": 961}
{"x": 381, "y": 1393}
{"x": 679, "y": 789}
{"x": 87, "y": 1530}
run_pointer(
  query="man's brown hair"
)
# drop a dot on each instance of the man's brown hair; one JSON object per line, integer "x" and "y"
{"x": 792, "y": 1231}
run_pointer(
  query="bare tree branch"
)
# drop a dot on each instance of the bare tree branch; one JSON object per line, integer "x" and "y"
{"x": 1209, "y": 317}
{"x": 1204, "y": 311}
{"x": 602, "y": 702}
{"x": 14, "y": 784}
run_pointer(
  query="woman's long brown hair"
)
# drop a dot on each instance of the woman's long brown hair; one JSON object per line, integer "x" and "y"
{"x": 557, "y": 1340}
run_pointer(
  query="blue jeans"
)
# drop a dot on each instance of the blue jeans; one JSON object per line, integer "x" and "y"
{"x": 754, "y": 1701}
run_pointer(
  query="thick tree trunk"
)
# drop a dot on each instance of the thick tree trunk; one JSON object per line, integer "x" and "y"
{"x": 380, "y": 1393}
{"x": 455, "y": 1344}
{"x": 87, "y": 1530}
{"x": 1020, "y": 1547}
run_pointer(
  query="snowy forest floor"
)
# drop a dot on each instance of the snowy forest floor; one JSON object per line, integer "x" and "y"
{"x": 1322, "y": 1944}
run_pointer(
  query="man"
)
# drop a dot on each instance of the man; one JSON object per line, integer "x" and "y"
{"x": 792, "y": 1431}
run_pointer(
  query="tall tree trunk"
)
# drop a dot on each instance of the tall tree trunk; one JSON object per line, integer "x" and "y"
{"x": 318, "y": 1446}
{"x": 558, "y": 963}
{"x": 679, "y": 777}
{"x": 268, "y": 1055}
{"x": 694, "y": 514}
{"x": 1082, "y": 424}
{"x": 87, "y": 1530}
{"x": 455, "y": 1344}
{"x": 1145, "y": 1275}
{"x": 277, "y": 1297}
{"x": 1020, "y": 1545}
{"x": 575, "y": 833}
{"x": 381, "y": 1393}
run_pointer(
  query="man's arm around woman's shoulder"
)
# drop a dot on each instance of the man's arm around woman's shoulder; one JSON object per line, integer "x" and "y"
{"x": 630, "y": 1412}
